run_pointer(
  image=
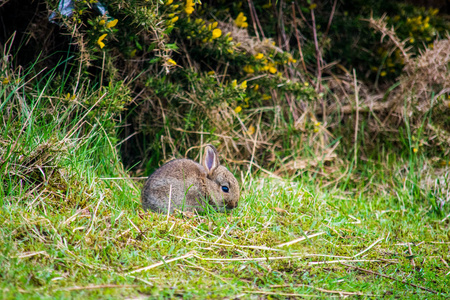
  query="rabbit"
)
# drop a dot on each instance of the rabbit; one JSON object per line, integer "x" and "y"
{"x": 186, "y": 185}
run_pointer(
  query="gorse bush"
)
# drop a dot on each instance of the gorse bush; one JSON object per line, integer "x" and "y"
{"x": 256, "y": 79}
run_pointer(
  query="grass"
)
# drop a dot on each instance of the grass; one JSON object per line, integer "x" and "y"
{"x": 72, "y": 225}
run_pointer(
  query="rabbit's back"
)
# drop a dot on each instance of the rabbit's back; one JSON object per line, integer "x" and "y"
{"x": 182, "y": 181}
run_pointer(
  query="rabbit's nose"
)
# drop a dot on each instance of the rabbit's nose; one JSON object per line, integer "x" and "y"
{"x": 232, "y": 204}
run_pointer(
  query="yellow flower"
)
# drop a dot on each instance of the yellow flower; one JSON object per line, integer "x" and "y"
{"x": 5, "y": 80}
{"x": 214, "y": 25}
{"x": 312, "y": 6}
{"x": 216, "y": 33}
{"x": 133, "y": 53}
{"x": 248, "y": 69}
{"x": 383, "y": 73}
{"x": 172, "y": 62}
{"x": 256, "y": 87}
{"x": 168, "y": 2}
{"x": 240, "y": 21}
{"x": 112, "y": 23}
{"x": 211, "y": 73}
{"x": 189, "y": 8}
{"x": 259, "y": 56}
{"x": 251, "y": 130}
{"x": 238, "y": 109}
{"x": 246, "y": 102}
{"x": 306, "y": 84}
{"x": 244, "y": 85}
{"x": 270, "y": 67}
{"x": 234, "y": 84}
{"x": 100, "y": 41}
{"x": 266, "y": 97}
{"x": 415, "y": 150}
{"x": 411, "y": 40}
{"x": 70, "y": 97}
{"x": 102, "y": 22}
{"x": 174, "y": 19}
{"x": 317, "y": 124}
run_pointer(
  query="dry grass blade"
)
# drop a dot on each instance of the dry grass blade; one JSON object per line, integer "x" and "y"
{"x": 341, "y": 293}
{"x": 300, "y": 239}
{"x": 391, "y": 278}
{"x": 269, "y": 258}
{"x": 101, "y": 286}
{"x": 282, "y": 294}
{"x": 340, "y": 261}
{"x": 368, "y": 248}
{"x": 187, "y": 255}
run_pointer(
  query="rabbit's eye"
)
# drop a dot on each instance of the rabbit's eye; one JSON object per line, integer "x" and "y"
{"x": 225, "y": 189}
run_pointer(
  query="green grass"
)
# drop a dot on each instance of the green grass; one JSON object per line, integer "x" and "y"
{"x": 379, "y": 231}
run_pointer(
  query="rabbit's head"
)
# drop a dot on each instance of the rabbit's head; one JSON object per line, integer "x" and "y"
{"x": 222, "y": 187}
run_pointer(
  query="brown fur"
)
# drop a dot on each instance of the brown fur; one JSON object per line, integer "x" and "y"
{"x": 191, "y": 186}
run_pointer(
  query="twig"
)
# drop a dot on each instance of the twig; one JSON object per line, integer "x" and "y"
{"x": 297, "y": 37}
{"x": 257, "y": 20}
{"x": 283, "y": 28}
{"x": 300, "y": 239}
{"x": 330, "y": 19}
{"x": 253, "y": 18}
{"x": 392, "y": 278}
{"x": 318, "y": 54}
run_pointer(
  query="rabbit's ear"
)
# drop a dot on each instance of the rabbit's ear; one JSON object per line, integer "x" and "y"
{"x": 210, "y": 159}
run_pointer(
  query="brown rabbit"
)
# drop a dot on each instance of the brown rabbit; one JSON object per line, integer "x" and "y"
{"x": 188, "y": 186}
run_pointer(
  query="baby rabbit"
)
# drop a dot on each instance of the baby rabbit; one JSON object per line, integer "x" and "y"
{"x": 188, "y": 186}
